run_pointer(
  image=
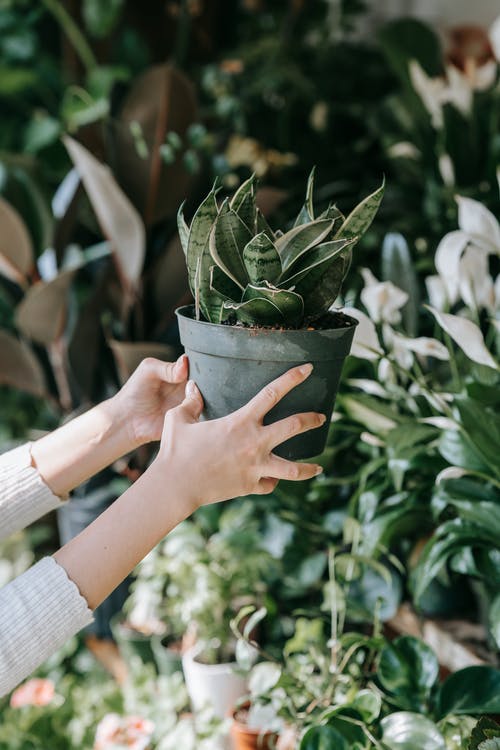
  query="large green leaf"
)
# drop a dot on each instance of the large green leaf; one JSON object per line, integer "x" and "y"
{"x": 243, "y": 203}
{"x": 451, "y": 537}
{"x": 223, "y": 285}
{"x": 473, "y": 690}
{"x": 227, "y": 241}
{"x": 408, "y": 39}
{"x": 297, "y": 241}
{"x": 482, "y": 426}
{"x": 407, "y": 670}
{"x": 405, "y": 730}
{"x": 320, "y": 288}
{"x": 456, "y": 447}
{"x": 183, "y": 229}
{"x": 362, "y": 215}
{"x": 323, "y": 738}
{"x": 288, "y": 303}
{"x": 261, "y": 259}
{"x": 199, "y": 260}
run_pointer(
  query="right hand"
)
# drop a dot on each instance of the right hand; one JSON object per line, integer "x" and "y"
{"x": 232, "y": 456}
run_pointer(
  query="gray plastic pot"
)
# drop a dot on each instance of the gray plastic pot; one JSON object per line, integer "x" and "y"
{"x": 230, "y": 364}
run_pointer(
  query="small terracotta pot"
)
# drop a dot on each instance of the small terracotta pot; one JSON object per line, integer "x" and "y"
{"x": 245, "y": 738}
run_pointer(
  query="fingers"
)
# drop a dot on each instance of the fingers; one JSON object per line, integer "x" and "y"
{"x": 274, "y": 392}
{"x": 168, "y": 372}
{"x": 192, "y": 406}
{"x": 280, "y": 468}
{"x": 283, "y": 430}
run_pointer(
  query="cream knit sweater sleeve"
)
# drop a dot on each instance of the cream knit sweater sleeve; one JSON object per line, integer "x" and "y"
{"x": 41, "y": 608}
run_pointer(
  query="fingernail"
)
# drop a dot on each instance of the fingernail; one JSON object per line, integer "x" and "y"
{"x": 319, "y": 470}
{"x": 190, "y": 389}
{"x": 306, "y": 369}
{"x": 322, "y": 418}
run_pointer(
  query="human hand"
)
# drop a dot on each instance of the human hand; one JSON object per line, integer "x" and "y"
{"x": 142, "y": 402}
{"x": 232, "y": 456}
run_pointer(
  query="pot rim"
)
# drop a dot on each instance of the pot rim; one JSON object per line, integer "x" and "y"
{"x": 183, "y": 310}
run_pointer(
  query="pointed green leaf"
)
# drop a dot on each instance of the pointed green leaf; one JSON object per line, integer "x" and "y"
{"x": 261, "y": 225}
{"x": 261, "y": 259}
{"x": 292, "y": 245}
{"x": 257, "y": 311}
{"x": 223, "y": 285}
{"x": 243, "y": 203}
{"x": 227, "y": 241}
{"x": 318, "y": 256}
{"x": 183, "y": 228}
{"x": 289, "y": 304}
{"x": 306, "y": 213}
{"x": 321, "y": 286}
{"x": 362, "y": 216}
{"x": 332, "y": 212}
{"x": 198, "y": 246}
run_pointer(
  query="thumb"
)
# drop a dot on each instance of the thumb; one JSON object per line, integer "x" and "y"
{"x": 192, "y": 406}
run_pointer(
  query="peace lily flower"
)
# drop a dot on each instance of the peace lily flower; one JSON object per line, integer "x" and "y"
{"x": 495, "y": 38}
{"x": 475, "y": 283}
{"x": 436, "y": 291}
{"x": 451, "y": 472}
{"x": 115, "y": 731}
{"x": 366, "y": 344}
{"x": 382, "y": 299}
{"x": 467, "y": 335}
{"x": 35, "y": 692}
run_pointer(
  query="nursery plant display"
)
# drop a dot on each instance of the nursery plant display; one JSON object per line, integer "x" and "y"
{"x": 265, "y": 298}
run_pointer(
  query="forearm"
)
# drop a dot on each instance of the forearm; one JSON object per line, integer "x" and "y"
{"x": 79, "y": 449}
{"x": 99, "y": 558}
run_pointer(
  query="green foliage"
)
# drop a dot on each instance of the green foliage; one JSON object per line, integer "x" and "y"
{"x": 241, "y": 271}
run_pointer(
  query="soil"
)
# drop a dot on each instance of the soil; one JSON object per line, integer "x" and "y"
{"x": 326, "y": 322}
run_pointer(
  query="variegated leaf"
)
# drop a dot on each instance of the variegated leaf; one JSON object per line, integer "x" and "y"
{"x": 261, "y": 259}
{"x": 318, "y": 256}
{"x": 292, "y": 245}
{"x": 183, "y": 229}
{"x": 306, "y": 213}
{"x": 362, "y": 216}
{"x": 198, "y": 256}
{"x": 243, "y": 203}
{"x": 227, "y": 241}
{"x": 321, "y": 287}
{"x": 290, "y": 304}
{"x": 259, "y": 311}
{"x": 261, "y": 225}
{"x": 223, "y": 285}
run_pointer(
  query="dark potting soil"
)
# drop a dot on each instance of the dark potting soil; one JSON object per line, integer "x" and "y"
{"x": 326, "y": 322}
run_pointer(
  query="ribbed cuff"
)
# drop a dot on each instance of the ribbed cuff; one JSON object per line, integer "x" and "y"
{"x": 39, "y": 611}
{"x": 24, "y": 496}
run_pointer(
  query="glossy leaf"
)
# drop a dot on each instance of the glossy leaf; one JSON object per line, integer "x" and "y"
{"x": 257, "y": 311}
{"x": 299, "y": 240}
{"x": 288, "y": 303}
{"x": 449, "y": 538}
{"x": 482, "y": 426}
{"x": 118, "y": 219}
{"x": 261, "y": 259}
{"x": 16, "y": 250}
{"x": 456, "y": 447}
{"x": 473, "y": 690}
{"x": 405, "y": 730}
{"x": 361, "y": 216}
{"x": 317, "y": 258}
{"x": 407, "y": 670}
{"x": 320, "y": 288}
{"x": 198, "y": 258}
{"x": 227, "y": 241}
{"x": 19, "y": 367}
{"x": 223, "y": 285}
{"x": 323, "y": 738}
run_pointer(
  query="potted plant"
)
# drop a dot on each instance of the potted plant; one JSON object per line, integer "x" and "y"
{"x": 262, "y": 303}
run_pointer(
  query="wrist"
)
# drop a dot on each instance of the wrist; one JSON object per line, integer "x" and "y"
{"x": 120, "y": 430}
{"x": 170, "y": 479}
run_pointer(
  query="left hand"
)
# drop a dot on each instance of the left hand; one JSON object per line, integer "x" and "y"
{"x": 153, "y": 389}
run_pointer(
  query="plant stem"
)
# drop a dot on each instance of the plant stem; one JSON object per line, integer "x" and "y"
{"x": 75, "y": 36}
{"x": 333, "y": 610}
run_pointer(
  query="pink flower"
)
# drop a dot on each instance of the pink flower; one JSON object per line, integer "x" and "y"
{"x": 115, "y": 731}
{"x": 35, "y": 692}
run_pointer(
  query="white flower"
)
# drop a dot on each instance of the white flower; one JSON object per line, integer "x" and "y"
{"x": 386, "y": 372}
{"x": 425, "y": 346}
{"x": 403, "y": 150}
{"x": 475, "y": 283}
{"x": 451, "y": 472}
{"x": 467, "y": 336}
{"x": 368, "y": 386}
{"x": 371, "y": 439}
{"x": 366, "y": 344}
{"x": 444, "y": 423}
{"x": 430, "y": 90}
{"x": 436, "y": 291}
{"x": 479, "y": 224}
{"x": 458, "y": 92}
{"x": 397, "y": 343}
{"x": 447, "y": 261}
{"x": 485, "y": 76}
{"x": 382, "y": 299}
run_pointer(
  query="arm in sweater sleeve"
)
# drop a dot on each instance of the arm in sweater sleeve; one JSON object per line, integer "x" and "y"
{"x": 42, "y": 608}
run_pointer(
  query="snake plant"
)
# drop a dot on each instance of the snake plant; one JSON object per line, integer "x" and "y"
{"x": 240, "y": 271}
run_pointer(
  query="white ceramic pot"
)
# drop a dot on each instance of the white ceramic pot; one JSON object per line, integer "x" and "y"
{"x": 215, "y": 685}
